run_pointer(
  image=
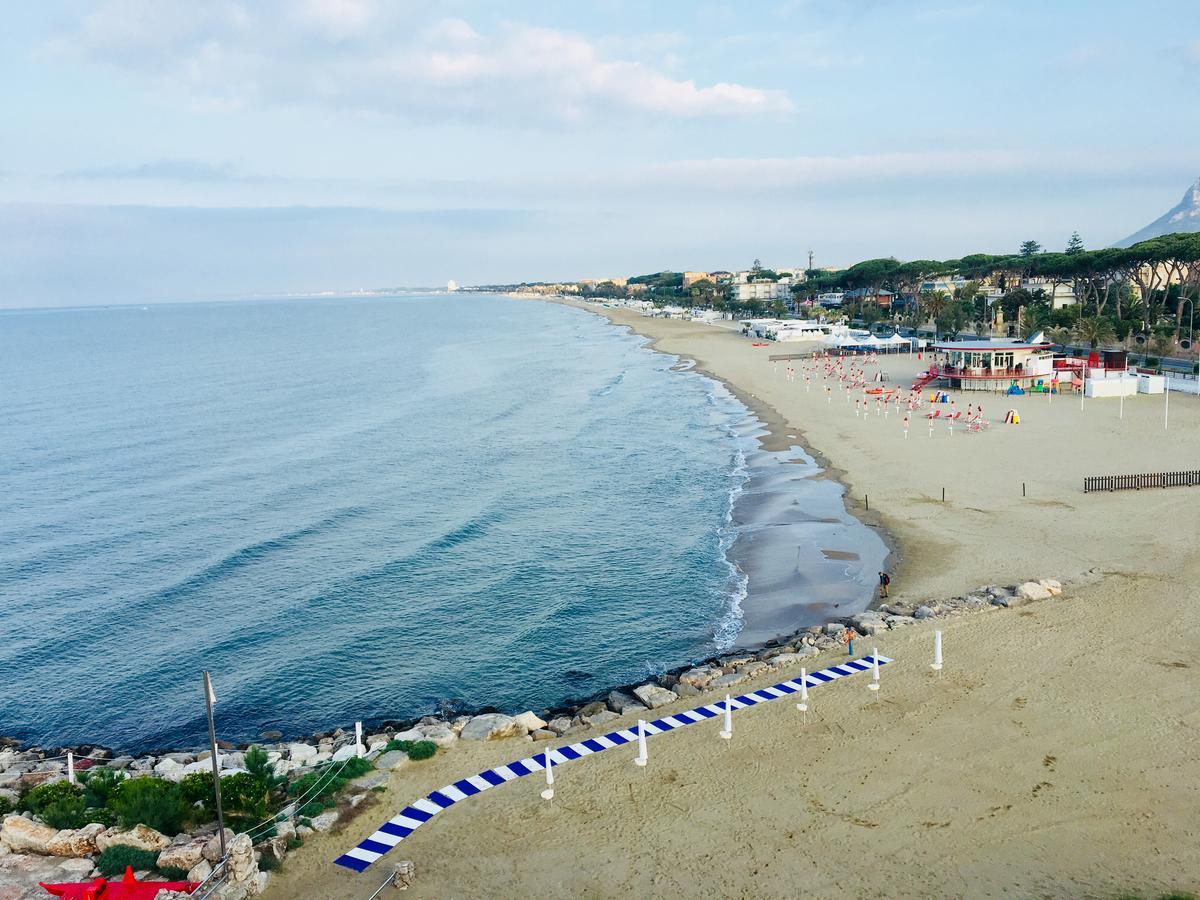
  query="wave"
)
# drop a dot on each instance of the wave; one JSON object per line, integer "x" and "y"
{"x": 608, "y": 387}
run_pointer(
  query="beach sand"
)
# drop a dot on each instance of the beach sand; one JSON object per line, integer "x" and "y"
{"x": 1057, "y": 755}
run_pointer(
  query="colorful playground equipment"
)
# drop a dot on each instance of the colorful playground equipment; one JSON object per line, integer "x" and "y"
{"x": 939, "y": 397}
{"x": 1012, "y": 418}
{"x": 128, "y": 888}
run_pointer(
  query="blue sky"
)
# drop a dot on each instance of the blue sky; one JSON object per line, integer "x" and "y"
{"x": 167, "y": 149}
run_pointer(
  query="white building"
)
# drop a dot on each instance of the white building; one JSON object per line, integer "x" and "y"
{"x": 767, "y": 291}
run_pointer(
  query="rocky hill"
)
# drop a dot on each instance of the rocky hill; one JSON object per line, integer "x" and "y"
{"x": 1183, "y": 217}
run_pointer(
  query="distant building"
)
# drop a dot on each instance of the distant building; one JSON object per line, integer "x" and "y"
{"x": 768, "y": 291}
{"x": 880, "y": 297}
{"x": 1059, "y": 295}
{"x": 690, "y": 278}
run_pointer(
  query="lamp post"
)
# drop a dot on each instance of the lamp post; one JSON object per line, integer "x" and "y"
{"x": 209, "y": 697}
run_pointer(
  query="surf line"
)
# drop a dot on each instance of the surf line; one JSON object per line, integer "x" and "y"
{"x": 412, "y": 817}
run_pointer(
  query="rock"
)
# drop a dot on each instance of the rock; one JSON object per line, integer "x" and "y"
{"x": 559, "y": 725}
{"x": 202, "y": 765}
{"x": 834, "y": 629}
{"x": 303, "y": 831}
{"x": 344, "y": 753}
{"x": 735, "y": 660}
{"x": 543, "y": 734}
{"x": 1031, "y": 590}
{"x": 200, "y": 871}
{"x": 529, "y": 722}
{"x": 168, "y": 768}
{"x": 620, "y": 701}
{"x": 459, "y": 724}
{"x": 755, "y": 668}
{"x": 301, "y": 753}
{"x": 655, "y": 696}
{"x": 729, "y": 680}
{"x": 491, "y": 727}
{"x": 121, "y": 762}
{"x": 140, "y": 836}
{"x": 1054, "y": 587}
{"x": 898, "y": 621}
{"x": 791, "y": 659}
{"x": 1000, "y": 601}
{"x": 591, "y": 709}
{"x": 686, "y": 690}
{"x": 413, "y": 734}
{"x": 325, "y": 820}
{"x": 261, "y": 880}
{"x": 21, "y": 834}
{"x": 242, "y": 864}
{"x": 603, "y": 717}
{"x": 440, "y": 734}
{"x": 287, "y": 828}
{"x": 212, "y": 847}
{"x": 404, "y": 874}
{"x": 183, "y": 856}
{"x": 182, "y": 758}
{"x": 75, "y": 843}
{"x": 393, "y": 759}
{"x": 699, "y": 677}
{"x": 923, "y": 612}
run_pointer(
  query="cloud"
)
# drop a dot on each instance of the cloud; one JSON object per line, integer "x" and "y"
{"x": 350, "y": 54}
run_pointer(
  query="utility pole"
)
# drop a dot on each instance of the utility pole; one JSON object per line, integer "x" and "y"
{"x": 209, "y": 698}
{"x": 810, "y": 260}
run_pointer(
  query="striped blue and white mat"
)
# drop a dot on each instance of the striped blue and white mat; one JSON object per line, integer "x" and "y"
{"x": 396, "y": 829}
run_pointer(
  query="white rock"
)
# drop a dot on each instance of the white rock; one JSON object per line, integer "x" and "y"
{"x": 655, "y": 695}
{"x": 75, "y": 843}
{"x": 393, "y": 759}
{"x": 1054, "y": 587}
{"x": 413, "y": 734}
{"x": 325, "y": 820}
{"x": 169, "y": 769}
{"x": 183, "y": 856}
{"x": 442, "y": 735}
{"x": 529, "y": 721}
{"x": 24, "y": 835}
{"x": 200, "y": 871}
{"x": 344, "y": 753}
{"x": 140, "y": 836}
{"x": 491, "y": 727}
{"x": 301, "y": 753}
{"x": 1031, "y": 590}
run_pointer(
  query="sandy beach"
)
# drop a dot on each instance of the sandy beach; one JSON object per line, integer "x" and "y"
{"x": 1056, "y": 755}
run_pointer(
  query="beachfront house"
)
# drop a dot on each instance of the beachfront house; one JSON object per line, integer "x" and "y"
{"x": 992, "y": 365}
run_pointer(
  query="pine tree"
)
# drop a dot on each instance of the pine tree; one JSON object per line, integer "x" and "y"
{"x": 1075, "y": 245}
{"x": 1030, "y": 248}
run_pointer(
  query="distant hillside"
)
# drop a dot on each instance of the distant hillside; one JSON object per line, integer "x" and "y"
{"x": 1184, "y": 217}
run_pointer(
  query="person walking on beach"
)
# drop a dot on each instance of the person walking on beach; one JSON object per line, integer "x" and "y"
{"x": 848, "y": 638}
{"x": 884, "y": 581}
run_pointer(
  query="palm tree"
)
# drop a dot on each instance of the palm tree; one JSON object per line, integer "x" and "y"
{"x": 1094, "y": 331}
{"x": 935, "y": 303}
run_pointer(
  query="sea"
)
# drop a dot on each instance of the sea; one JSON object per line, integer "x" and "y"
{"x": 376, "y": 508}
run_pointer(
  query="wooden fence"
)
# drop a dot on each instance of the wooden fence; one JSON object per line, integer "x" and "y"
{"x": 1137, "y": 482}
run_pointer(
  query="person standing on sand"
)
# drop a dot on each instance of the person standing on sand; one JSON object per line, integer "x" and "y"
{"x": 848, "y": 637}
{"x": 884, "y": 581}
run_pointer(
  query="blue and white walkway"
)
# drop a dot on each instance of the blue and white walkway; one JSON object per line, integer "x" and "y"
{"x": 412, "y": 817}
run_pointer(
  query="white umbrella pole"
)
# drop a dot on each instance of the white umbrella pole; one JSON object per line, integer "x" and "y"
{"x": 874, "y": 669}
{"x": 641, "y": 757}
{"x": 803, "y": 704}
{"x": 727, "y": 732}
{"x": 937, "y": 651}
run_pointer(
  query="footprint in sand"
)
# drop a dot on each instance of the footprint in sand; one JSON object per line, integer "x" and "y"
{"x": 1041, "y": 786}
{"x": 1049, "y": 761}
{"x": 1019, "y": 703}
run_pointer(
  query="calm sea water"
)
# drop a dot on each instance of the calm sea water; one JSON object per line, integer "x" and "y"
{"x": 348, "y": 508}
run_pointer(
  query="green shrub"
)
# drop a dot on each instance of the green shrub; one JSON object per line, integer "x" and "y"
{"x": 153, "y": 802}
{"x": 65, "y": 813}
{"x": 112, "y": 862}
{"x": 416, "y": 750}
{"x": 6, "y": 806}
{"x": 105, "y": 817}
{"x": 197, "y": 787}
{"x": 170, "y": 873}
{"x": 294, "y": 844}
{"x": 99, "y": 785}
{"x": 354, "y": 767}
{"x": 39, "y": 798}
{"x": 268, "y": 863}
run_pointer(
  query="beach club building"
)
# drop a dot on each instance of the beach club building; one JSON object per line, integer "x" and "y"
{"x": 991, "y": 365}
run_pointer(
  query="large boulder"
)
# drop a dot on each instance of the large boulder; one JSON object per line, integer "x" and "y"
{"x": 75, "y": 843}
{"x": 730, "y": 680}
{"x": 242, "y": 863}
{"x": 654, "y": 695}
{"x": 529, "y": 721}
{"x": 700, "y": 677}
{"x": 442, "y": 735}
{"x": 301, "y": 753}
{"x": 623, "y": 702}
{"x": 169, "y": 768}
{"x": 212, "y": 847}
{"x": 344, "y": 753}
{"x": 24, "y": 835}
{"x": 1031, "y": 590}
{"x": 491, "y": 727}
{"x": 393, "y": 759}
{"x": 140, "y": 836}
{"x": 325, "y": 820}
{"x": 184, "y": 856}
{"x": 200, "y": 871}
{"x": 1053, "y": 586}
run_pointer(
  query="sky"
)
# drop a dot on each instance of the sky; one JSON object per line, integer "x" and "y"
{"x": 173, "y": 150}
